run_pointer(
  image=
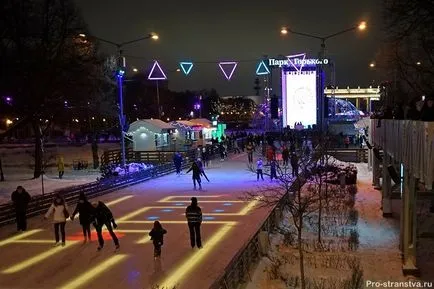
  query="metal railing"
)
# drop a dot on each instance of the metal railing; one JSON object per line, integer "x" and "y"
{"x": 350, "y": 155}
{"x": 40, "y": 204}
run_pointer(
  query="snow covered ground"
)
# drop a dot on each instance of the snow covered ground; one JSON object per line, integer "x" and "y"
{"x": 378, "y": 249}
{"x": 18, "y": 163}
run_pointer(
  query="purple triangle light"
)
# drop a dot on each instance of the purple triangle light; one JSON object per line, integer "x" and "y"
{"x": 234, "y": 65}
{"x": 290, "y": 57}
{"x": 156, "y": 72}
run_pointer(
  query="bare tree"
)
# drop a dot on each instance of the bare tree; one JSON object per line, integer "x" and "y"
{"x": 44, "y": 62}
{"x": 407, "y": 55}
{"x": 292, "y": 198}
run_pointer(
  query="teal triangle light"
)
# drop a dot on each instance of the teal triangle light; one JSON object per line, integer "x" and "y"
{"x": 262, "y": 69}
{"x": 186, "y": 67}
{"x": 156, "y": 72}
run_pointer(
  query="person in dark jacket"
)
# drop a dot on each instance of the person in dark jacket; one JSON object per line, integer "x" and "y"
{"x": 294, "y": 164}
{"x": 196, "y": 175}
{"x": 21, "y": 198}
{"x": 103, "y": 216}
{"x": 177, "y": 161}
{"x": 85, "y": 209}
{"x": 273, "y": 169}
{"x": 285, "y": 156}
{"x": 157, "y": 237}
{"x": 193, "y": 213}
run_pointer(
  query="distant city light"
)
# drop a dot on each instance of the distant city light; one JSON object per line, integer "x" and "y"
{"x": 418, "y": 63}
{"x": 93, "y": 117}
{"x": 168, "y": 119}
{"x": 135, "y": 70}
{"x": 103, "y": 119}
{"x": 362, "y": 25}
{"x": 8, "y": 121}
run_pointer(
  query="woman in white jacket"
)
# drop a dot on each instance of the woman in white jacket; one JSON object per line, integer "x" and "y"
{"x": 60, "y": 213}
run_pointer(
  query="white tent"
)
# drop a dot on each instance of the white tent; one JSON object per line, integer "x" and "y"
{"x": 150, "y": 134}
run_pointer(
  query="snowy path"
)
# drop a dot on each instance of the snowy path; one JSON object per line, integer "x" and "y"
{"x": 29, "y": 261}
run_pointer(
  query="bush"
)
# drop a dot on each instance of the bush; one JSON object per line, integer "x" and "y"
{"x": 115, "y": 170}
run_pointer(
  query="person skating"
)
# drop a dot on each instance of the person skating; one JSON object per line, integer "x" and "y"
{"x": 60, "y": 212}
{"x": 157, "y": 237}
{"x": 21, "y": 198}
{"x": 193, "y": 213}
{"x": 259, "y": 167}
{"x": 85, "y": 211}
{"x": 294, "y": 164}
{"x": 196, "y": 175}
{"x": 103, "y": 216}
{"x": 177, "y": 161}
{"x": 222, "y": 151}
{"x": 200, "y": 164}
{"x": 249, "y": 149}
{"x": 273, "y": 169}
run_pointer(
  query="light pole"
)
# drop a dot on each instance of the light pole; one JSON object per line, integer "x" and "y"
{"x": 361, "y": 26}
{"x": 120, "y": 71}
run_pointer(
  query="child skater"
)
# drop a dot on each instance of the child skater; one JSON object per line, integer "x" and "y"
{"x": 157, "y": 235}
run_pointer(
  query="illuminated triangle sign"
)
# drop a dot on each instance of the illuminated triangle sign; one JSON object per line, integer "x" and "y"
{"x": 186, "y": 67}
{"x": 292, "y": 58}
{"x": 262, "y": 69}
{"x": 228, "y": 71}
{"x": 156, "y": 72}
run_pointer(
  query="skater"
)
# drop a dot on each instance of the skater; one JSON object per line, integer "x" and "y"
{"x": 273, "y": 169}
{"x": 193, "y": 213}
{"x": 249, "y": 149}
{"x": 196, "y": 175}
{"x": 85, "y": 211}
{"x": 259, "y": 166}
{"x": 201, "y": 168}
{"x": 157, "y": 236}
{"x": 205, "y": 156}
{"x": 103, "y": 216}
{"x": 222, "y": 151}
{"x": 60, "y": 166}
{"x": 21, "y": 198}
{"x": 59, "y": 210}
{"x": 177, "y": 161}
{"x": 294, "y": 164}
{"x": 236, "y": 147}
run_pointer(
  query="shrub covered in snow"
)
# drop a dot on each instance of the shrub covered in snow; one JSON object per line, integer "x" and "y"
{"x": 116, "y": 170}
{"x": 336, "y": 170}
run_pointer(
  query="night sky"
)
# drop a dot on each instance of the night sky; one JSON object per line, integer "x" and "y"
{"x": 206, "y": 32}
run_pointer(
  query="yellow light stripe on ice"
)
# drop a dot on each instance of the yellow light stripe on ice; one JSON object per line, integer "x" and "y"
{"x": 91, "y": 274}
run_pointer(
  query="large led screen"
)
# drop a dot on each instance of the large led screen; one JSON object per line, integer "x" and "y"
{"x": 299, "y": 98}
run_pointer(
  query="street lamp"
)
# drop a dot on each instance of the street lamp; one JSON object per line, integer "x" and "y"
{"x": 372, "y": 65}
{"x": 285, "y": 30}
{"x": 120, "y": 72}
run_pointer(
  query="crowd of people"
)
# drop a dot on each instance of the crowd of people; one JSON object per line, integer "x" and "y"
{"x": 99, "y": 215}
{"x": 416, "y": 109}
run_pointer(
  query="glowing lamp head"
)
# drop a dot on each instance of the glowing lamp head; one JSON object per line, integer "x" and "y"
{"x": 284, "y": 31}
{"x": 155, "y": 36}
{"x": 372, "y": 65}
{"x": 135, "y": 70}
{"x": 8, "y": 121}
{"x": 362, "y": 26}
{"x": 418, "y": 63}
{"x": 178, "y": 70}
{"x": 82, "y": 35}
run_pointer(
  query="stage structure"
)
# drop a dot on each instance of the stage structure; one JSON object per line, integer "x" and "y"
{"x": 302, "y": 86}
